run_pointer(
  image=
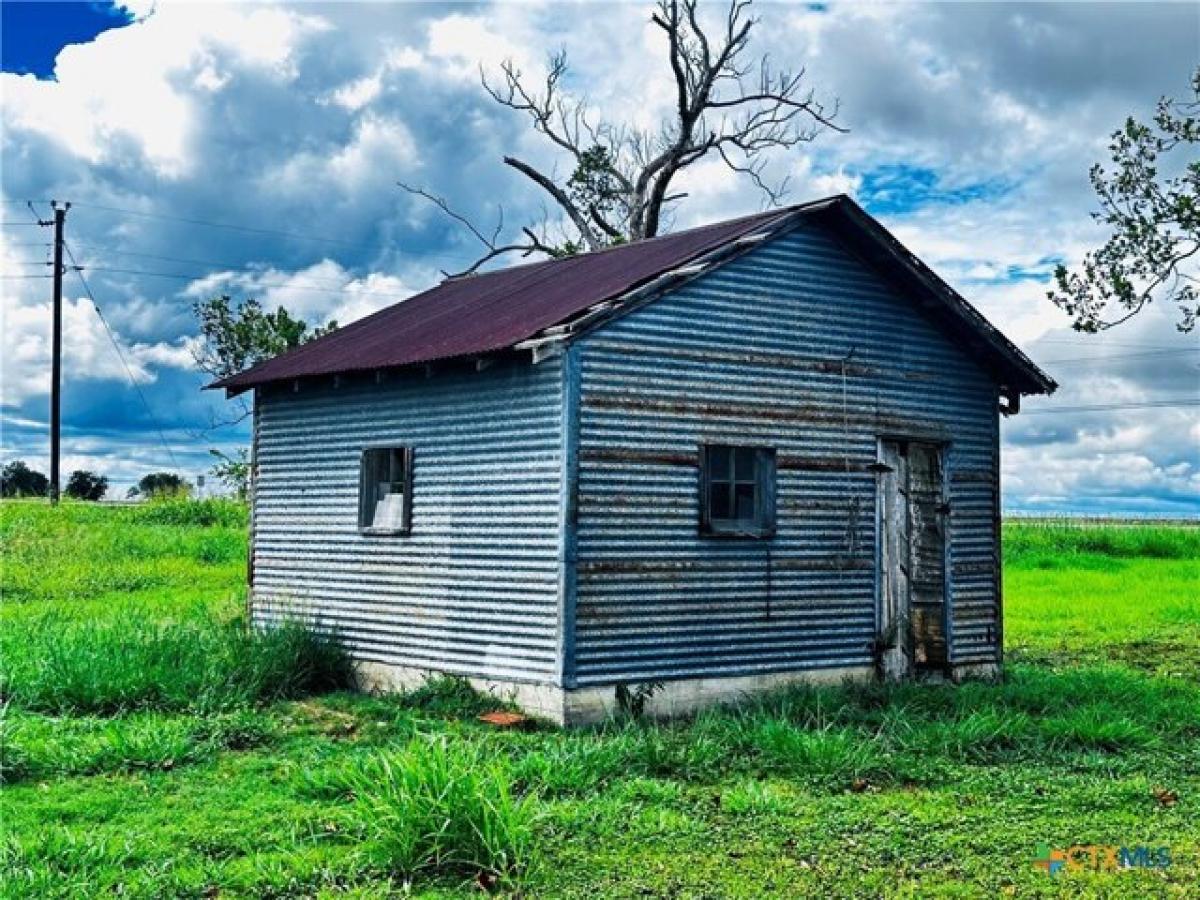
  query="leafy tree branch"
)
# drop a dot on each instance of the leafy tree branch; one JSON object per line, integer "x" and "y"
{"x": 1153, "y": 250}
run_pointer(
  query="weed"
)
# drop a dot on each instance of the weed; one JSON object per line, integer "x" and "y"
{"x": 632, "y": 700}
{"x": 198, "y": 664}
{"x": 449, "y": 696}
{"x": 442, "y": 806}
{"x": 828, "y": 754}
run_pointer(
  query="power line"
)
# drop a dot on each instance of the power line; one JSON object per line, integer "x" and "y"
{"x": 120, "y": 355}
{"x": 225, "y": 225}
{"x": 227, "y": 263}
{"x": 198, "y": 262}
{"x": 1105, "y": 342}
{"x": 1108, "y": 356}
{"x": 1105, "y": 407}
{"x": 21, "y": 277}
{"x": 333, "y": 286}
{"x": 249, "y": 229}
{"x": 301, "y": 286}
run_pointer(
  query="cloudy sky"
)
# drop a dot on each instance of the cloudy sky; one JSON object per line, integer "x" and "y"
{"x": 255, "y": 149}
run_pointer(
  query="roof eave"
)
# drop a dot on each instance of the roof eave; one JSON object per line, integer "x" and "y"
{"x": 1021, "y": 373}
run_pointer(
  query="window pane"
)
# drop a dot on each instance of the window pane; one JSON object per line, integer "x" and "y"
{"x": 744, "y": 510}
{"x": 396, "y": 459}
{"x": 744, "y": 463}
{"x": 389, "y": 511}
{"x": 384, "y": 492}
{"x": 718, "y": 501}
{"x": 718, "y": 463}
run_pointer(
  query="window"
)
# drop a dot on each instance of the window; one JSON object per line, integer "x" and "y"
{"x": 737, "y": 491}
{"x": 385, "y": 491}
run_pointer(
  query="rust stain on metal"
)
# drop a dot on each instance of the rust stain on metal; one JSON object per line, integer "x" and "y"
{"x": 713, "y": 409}
{"x": 657, "y": 503}
{"x": 670, "y": 567}
{"x": 777, "y": 360}
{"x": 638, "y": 457}
{"x": 801, "y": 503}
{"x": 806, "y": 414}
{"x": 980, "y": 567}
{"x": 665, "y": 458}
{"x": 820, "y": 464}
{"x": 972, "y": 476}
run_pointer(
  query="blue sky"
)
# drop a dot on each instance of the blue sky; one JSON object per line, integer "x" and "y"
{"x": 254, "y": 150}
{"x": 32, "y": 33}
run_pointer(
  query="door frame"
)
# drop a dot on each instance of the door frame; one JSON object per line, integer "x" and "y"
{"x": 944, "y": 444}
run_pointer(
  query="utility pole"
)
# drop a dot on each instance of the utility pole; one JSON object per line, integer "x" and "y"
{"x": 60, "y": 216}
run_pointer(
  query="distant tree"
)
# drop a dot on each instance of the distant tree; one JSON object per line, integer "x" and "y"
{"x": 235, "y": 335}
{"x": 729, "y": 104}
{"x": 233, "y": 471}
{"x": 85, "y": 485}
{"x": 159, "y": 485}
{"x": 1151, "y": 253}
{"x": 18, "y": 480}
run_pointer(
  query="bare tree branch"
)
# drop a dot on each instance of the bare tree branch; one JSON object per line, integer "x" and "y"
{"x": 493, "y": 247}
{"x": 742, "y": 110}
{"x": 560, "y": 197}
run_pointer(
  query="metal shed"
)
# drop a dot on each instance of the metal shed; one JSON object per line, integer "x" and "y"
{"x": 720, "y": 460}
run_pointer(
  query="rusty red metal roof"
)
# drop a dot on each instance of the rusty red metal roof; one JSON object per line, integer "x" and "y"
{"x": 486, "y": 313}
{"x": 489, "y": 312}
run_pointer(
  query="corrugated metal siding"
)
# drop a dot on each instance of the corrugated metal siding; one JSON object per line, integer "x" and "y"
{"x": 750, "y": 354}
{"x": 474, "y": 588}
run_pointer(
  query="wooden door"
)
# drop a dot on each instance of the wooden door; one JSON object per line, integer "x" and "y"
{"x": 912, "y": 539}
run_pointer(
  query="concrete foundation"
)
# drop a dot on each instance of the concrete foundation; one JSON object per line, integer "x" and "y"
{"x": 583, "y": 706}
{"x": 975, "y": 672}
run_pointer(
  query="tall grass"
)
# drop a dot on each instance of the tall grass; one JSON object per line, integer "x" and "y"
{"x": 1063, "y": 542}
{"x": 439, "y": 805}
{"x": 211, "y": 513}
{"x": 83, "y": 552}
{"x": 833, "y": 737}
{"x": 198, "y": 663}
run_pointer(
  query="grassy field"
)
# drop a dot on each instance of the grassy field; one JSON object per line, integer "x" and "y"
{"x": 154, "y": 748}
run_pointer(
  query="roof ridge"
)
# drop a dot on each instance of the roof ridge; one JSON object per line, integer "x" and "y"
{"x": 766, "y": 215}
{"x": 501, "y": 309}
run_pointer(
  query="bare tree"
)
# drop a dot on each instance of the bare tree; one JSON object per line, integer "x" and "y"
{"x": 619, "y": 188}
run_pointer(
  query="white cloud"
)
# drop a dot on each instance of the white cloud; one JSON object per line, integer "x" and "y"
{"x": 358, "y": 93}
{"x": 126, "y": 84}
{"x": 317, "y": 293}
{"x": 299, "y": 119}
{"x": 459, "y": 44}
{"x": 88, "y": 354}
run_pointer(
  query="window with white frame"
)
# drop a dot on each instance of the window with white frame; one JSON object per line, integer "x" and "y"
{"x": 385, "y": 490}
{"x": 737, "y": 491}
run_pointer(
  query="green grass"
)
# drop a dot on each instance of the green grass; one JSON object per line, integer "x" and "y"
{"x": 438, "y": 804}
{"x": 85, "y": 560}
{"x": 1050, "y": 543}
{"x": 1129, "y": 594}
{"x": 195, "y": 663}
{"x": 153, "y": 747}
